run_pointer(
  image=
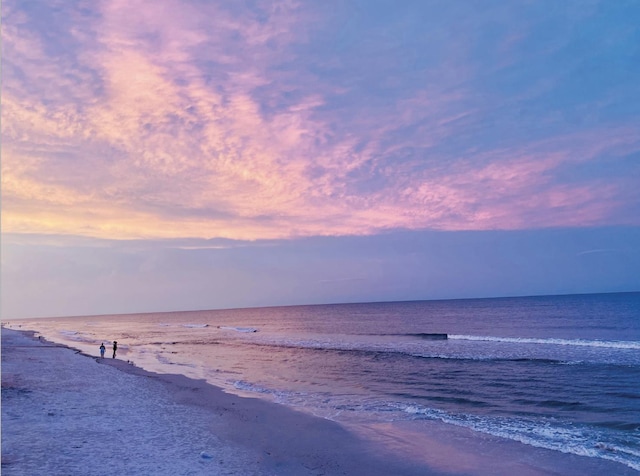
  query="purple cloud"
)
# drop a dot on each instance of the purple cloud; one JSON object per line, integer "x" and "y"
{"x": 277, "y": 119}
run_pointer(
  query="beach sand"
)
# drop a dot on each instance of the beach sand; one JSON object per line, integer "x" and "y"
{"x": 67, "y": 413}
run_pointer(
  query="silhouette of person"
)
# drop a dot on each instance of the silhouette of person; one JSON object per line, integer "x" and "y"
{"x": 115, "y": 348}
{"x": 102, "y": 349}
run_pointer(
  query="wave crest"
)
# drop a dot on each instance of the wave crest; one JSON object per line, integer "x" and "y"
{"x": 611, "y": 344}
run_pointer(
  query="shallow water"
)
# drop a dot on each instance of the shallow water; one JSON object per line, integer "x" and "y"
{"x": 560, "y": 372}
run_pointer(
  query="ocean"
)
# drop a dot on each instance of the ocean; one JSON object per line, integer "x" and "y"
{"x": 556, "y": 372}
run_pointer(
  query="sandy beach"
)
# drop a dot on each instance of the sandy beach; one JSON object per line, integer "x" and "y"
{"x": 68, "y": 413}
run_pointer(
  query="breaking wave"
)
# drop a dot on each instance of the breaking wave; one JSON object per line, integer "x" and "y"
{"x": 615, "y": 344}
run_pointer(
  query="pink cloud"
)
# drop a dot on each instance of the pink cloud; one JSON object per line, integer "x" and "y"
{"x": 167, "y": 148}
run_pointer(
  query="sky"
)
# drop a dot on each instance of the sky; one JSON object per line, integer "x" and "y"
{"x": 190, "y": 154}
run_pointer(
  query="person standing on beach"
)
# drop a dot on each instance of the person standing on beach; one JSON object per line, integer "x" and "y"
{"x": 115, "y": 347}
{"x": 102, "y": 349}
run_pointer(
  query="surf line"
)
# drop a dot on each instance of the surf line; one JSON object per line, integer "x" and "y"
{"x": 420, "y": 335}
{"x": 552, "y": 341}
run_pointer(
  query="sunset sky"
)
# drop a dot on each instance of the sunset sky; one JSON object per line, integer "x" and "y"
{"x": 175, "y": 154}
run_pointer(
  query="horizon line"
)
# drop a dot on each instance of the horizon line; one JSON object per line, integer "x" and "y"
{"x": 347, "y": 303}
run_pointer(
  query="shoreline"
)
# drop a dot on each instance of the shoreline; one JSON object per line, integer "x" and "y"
{"x": 244, "y": 435}
{"x": 197, "y": 428}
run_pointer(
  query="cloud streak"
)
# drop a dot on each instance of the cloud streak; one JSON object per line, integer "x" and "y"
{"x": 280, "y": 120}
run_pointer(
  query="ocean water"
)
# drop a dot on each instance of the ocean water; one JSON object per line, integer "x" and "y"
{"x": 557, "y": 372}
